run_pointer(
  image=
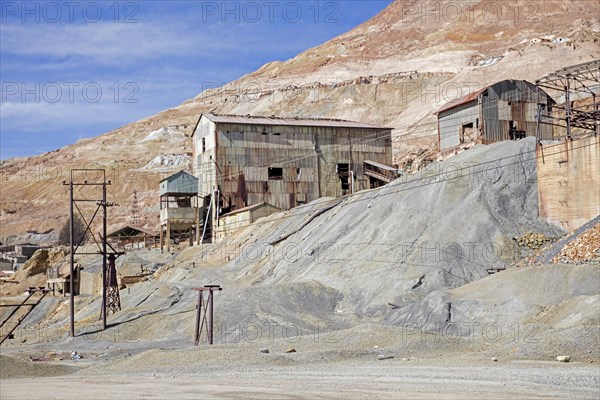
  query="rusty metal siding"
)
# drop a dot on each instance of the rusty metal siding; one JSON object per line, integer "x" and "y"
{"x": 513, "y": 101}
{"x": 245, "y": 152}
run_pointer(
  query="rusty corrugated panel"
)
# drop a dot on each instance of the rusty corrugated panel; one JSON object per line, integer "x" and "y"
{"x": 462, "y": 100}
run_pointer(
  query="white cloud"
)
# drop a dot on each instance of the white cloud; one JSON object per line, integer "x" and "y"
{"x": 104, "y": 42}
{"x": 107, "y": 42}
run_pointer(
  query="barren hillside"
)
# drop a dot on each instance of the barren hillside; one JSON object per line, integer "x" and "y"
{"x": 395, "y": 69}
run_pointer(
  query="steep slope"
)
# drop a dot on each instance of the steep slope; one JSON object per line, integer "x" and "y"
{"x": 407, "y": 232}
{"x": 395, "y": 69}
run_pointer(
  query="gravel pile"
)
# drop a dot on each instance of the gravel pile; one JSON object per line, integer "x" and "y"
{"x": 585, "y": 247}
{"x": 11, "y": 367}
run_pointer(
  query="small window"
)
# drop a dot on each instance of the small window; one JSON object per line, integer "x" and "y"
{"x": 203, "y": 145}
{"x": 275, "y": 174}
{"x": 265, "y": 133}
{"x": 276, "y": 134}
{"x": 343, "y": 171}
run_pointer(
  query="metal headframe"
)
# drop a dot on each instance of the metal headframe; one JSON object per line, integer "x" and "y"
{"x": 581, "y": 80}
{"x": 578, "y": 78}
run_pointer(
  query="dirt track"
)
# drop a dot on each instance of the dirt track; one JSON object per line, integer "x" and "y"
{"x": 389, "y": 379}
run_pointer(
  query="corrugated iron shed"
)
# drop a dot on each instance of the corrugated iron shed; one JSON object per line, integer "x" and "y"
{"x": 179, "y": 183}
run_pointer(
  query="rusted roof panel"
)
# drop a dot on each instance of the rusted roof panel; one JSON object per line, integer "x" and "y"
{"x": 277, "y": 121}
{"x": 462, "y": 100}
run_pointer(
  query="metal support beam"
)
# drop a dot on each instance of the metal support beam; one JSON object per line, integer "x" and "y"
{"x": 72, "y": 260}
{"x": 208, "y": 319}
{"x": 75, "y": 243}
{"x": 104, "y": 256}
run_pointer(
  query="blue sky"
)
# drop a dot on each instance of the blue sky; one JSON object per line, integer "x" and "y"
{"x": 75, "y": 69}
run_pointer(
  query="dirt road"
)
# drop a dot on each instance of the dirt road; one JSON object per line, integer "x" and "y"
{"x": 389, "y": 379}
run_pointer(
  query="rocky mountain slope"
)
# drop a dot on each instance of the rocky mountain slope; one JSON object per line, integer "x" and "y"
{"x": 395, "y": 69}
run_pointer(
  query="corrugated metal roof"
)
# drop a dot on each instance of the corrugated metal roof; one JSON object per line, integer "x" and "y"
{"x": 462, "y": 100}
{"x": 175, "y": 175}
{"x": 134, "y": 229}
{"x": 277, "y": 121}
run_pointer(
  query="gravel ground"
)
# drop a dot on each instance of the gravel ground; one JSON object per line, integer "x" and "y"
{"x": 389, "y": 379}
{"x": 338, "y": 365}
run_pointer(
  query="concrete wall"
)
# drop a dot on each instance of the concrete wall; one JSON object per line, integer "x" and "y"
{"x": 237, "y": 220}
{"x": 184, "y": 215}
{"x": 569, "y": 182}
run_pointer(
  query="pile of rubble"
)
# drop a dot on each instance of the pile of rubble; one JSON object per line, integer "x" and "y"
{"x": 533, "y": 240}
{"x": 586, "y": 247}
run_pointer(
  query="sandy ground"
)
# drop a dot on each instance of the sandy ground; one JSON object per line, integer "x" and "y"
{"x": 389, "y": 379}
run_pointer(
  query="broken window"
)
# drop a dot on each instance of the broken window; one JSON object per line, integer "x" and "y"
{"x": 467, "y": 133}
{"x": 343, "y": 172}
{"x": 275, "y": 174}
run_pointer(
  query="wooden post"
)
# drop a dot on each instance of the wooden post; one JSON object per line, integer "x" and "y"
{"x": 197, "y": 221}
{"x": 161, "y": 238}
{"x": 198, "y": 319}
{"x": 168, "y": 235}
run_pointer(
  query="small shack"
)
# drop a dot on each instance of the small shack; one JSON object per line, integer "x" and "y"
{"x": 506, "y": 110}
{"x": 230, "y": 222}
{"x": 59, "y": 278}
{"x": 179, "y": 208}
{"x": 133, "y": 237}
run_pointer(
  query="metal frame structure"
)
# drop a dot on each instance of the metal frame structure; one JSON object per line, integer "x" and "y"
{"x": 32, "y": 290}
{"x": 135, "y": 209}
{"x": 577, "y": 79}
{"x": 207, "y": 306}
{"x": 100, "y": 203}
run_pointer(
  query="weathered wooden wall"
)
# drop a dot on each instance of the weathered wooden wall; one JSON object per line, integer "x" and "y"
{"x": 569, "y": 182}
{"x": 237, "y": 157}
